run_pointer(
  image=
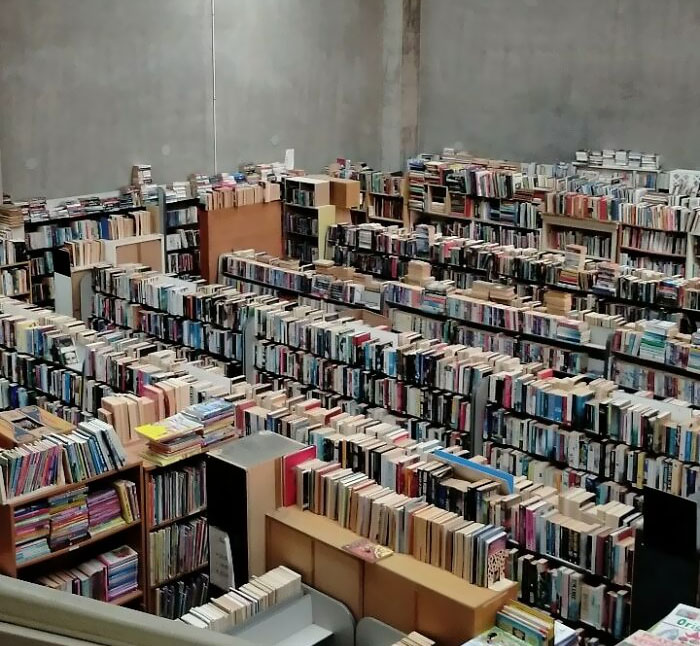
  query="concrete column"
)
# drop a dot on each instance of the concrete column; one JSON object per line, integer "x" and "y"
{"x": 401, "y": 63}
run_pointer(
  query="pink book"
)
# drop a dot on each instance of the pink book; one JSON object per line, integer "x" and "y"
{"x": 289, "y": 462}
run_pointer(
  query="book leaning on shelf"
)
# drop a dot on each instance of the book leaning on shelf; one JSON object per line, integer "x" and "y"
{"x": 48, "y": 452}
{"x": 108, "y": 577}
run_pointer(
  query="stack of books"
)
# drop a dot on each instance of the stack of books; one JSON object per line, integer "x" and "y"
{"x": 69, "y": 520}
{"x": 240, "y": 604}
{"x": 216, "y": 417}
{"x": 32, "y": 527}
{"x": 122, "y": 571}
{"x": 171, "y": 439}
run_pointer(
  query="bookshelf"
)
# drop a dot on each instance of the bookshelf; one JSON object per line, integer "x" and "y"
{"x": 529, "y": 333}
{"x": 48, "y": 226}
{"x": 86, "y": 545}
{"x": 639, "y": 177}
{"x": 447, "y": 608}
{"x": 475, "y": 197}
{"x": 126, "y": 298}
{"x": 257, "y": 226}
{"x": 307, "y": 215}
{"x": 263, "y": 274}
{"x": 180, "y": 227}
{"x": 174, "y": 496}
{"x": 599, "y": 238}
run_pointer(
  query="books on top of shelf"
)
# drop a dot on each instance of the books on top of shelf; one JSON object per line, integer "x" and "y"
{"x": 240, "y": 604}
{"x": 63, "y": 455}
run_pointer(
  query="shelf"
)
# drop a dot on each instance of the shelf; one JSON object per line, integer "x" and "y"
{"x": 379, "y": 218}
{"x": 182, "y": 249}
{"x": 45, "y": 492}
{"x": 663, "y": 254}
{"x": 174, "y": 205}
{"x": 180, "y": 575}
{"x": 615, "y": 167}
{"x": 646, "y": 228}
{"x": 21, "y": 263}
{"x": 75, "y": 546}
{"x": 84, "y": 216}
{"x": 127, "y": 598}
{"x": 166, "y": 523}
{"x": 579, "y": 568}
{"x": 570, "y": 222}
{"x": 508, "y": 225}
{"x": 688, "y": 373}
{"x": 171, "y": 228}
{"x": 310, "y": 236}
{"x": 308, "y": 207}
{"x": 592, "y": 350}
{"x": 392, "y": 196}
{"x": 588, "y": 255}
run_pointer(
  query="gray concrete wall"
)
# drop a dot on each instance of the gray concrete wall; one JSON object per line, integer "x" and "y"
{"x": 303, "y": 74}
{"x": 90, "y": 87}
{"x": 536, "y": 79}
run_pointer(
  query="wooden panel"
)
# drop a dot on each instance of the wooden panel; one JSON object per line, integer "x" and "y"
{"x": 389, "y": 598}
{"x": 339, "y": 575}
{"x": 288, "y": 547}
{"x": 257, "y": 226}
{"x": 261, "y": 501}
{"x": 443, "y": 619}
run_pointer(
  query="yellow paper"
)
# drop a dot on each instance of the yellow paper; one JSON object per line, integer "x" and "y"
{"x": 152, "y": 431}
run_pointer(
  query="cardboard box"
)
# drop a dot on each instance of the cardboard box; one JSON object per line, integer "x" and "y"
{"x": 345, "y": 193}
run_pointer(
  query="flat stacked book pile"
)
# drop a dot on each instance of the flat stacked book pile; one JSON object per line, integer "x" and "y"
{"x": 172, "y": 439}
{"x": 122, "y": 567}
{"x": 32, "y": 527}
{"x": 216, "y": 417}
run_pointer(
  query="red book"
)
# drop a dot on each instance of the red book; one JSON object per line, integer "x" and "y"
{"x": 289, "y": 462}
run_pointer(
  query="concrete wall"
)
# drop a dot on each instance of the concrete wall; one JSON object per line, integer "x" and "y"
{"x": 536, "y": 79}
{"x": 90, "y": 87}
{"x": 298, "y": 74}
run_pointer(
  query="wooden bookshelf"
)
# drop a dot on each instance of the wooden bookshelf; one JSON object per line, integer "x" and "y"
{"x": 551, "y": 224}
{"x": 69, "y": 556}
{"x": 255, "y": 226}
{"x": 400, "y": 590}
{"x": 149, "y": 471}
